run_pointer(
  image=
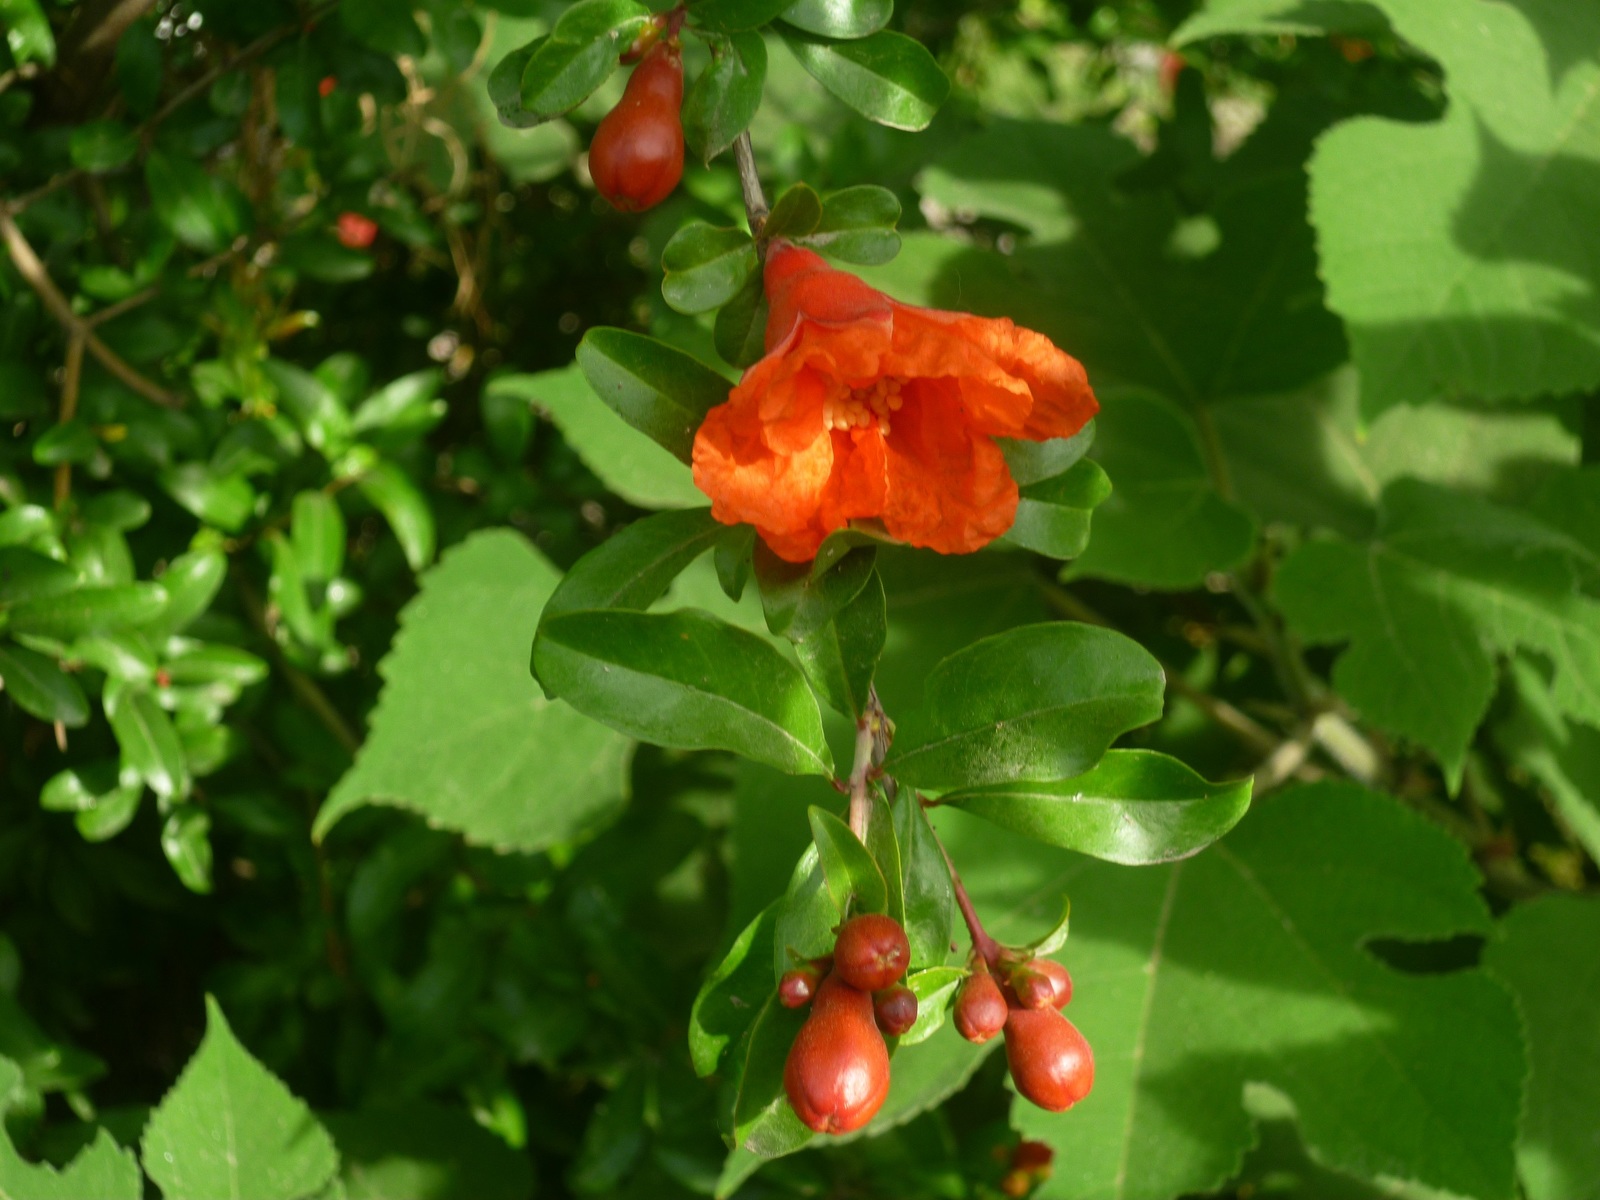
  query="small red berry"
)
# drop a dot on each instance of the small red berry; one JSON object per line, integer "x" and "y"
{"x": 356, "y": 231}
{"x": 872, "y": 952}
{"x": 636, "y": 158}
{"x": 326, "y": 85}
{"x": 895, "y": 1009}
{"x": 1042, "y": 983}
{"x": 1050, "y": 1061}
{"x": 796, "y": 987}
{"x": 980, "y": 1008}
{"x": 837, "y": 1072}
{"x": 1167, "y": 73}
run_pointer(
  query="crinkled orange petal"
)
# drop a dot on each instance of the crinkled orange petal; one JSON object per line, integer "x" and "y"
{"x": 801, "y": 283}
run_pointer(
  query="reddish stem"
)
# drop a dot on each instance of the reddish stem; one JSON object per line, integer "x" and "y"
{"x": 982, "y": 943}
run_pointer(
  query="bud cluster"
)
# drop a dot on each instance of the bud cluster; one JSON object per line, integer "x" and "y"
{"x": 837, "y": 1072}
{"x": 1050, "y": 1061}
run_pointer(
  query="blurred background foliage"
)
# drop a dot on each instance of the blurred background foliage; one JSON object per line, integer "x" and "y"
{"x": 276, "y": 314}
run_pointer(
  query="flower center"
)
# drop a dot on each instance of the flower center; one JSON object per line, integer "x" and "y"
{"x": 864, "y": 407}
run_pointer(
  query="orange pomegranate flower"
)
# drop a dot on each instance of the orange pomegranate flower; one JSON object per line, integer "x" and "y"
{"x": 864, "y": 407}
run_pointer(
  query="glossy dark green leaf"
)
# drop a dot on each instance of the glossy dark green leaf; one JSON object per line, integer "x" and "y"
{"x": 1053, "y": 515}
{"x": 686, "y": 680}
{"x": 25, "y": 575}
{"x": 225, "y": 501}
{"x": 405, "y": 508}
{"x": 191, "y": 582}
{"x": 113, "y": 811}
{"x": 724, "y": 97}
{"x": 925, "y": 883}
{"x": 658, "y": 390}
{"x": 1038, "y": 702}
{"x": 1033, "y": 462}
{"x": 1134, "y": 807}
{"x": 857, "y": 225}
{"x": 505, "y": 87}
{"x": 69, "y": 442}
{"x": 887, "y": 77}
{"x": 89, "y": 610}
{"x": 732, "y": 558}
{"x": 807, "y": 915}
{"x": 795, "y": 213}
{"x": 799, "y": 598}
{"x": 854, "y": 881}
{"x": 27, "y": 31}
{"x": 78, "y": 789}
{"x": 733, "y": 993}
{"x": 315, "y": 408}
{"x": 706, "y": 266}
{"x": 842, "y": 19}
{"x": 402, "y": 410}
{"x": 763, "y": 1123}
{"x": 148, "y": 742}
{"x": 733, "y": 16}
{"x": 840, "y": 656}
{"x": 28, "y": 525}
{"x": 41, "y": 687}
{"x": 634, "y": 567}
{"x": 126, "y": 655}
{"x": 117, "y": 509}
{"x": 194, "y": 664}
{"x": 580, "y": 54}
{"x": 741, "y": 327}
{"x": 317, "y": 532}
{"x": 934, "y": 988}
{"x": 195, "y": 206}
{"x": 186, "y": 842}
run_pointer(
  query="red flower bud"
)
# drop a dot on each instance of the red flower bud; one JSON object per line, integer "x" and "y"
{"x": 796, "y": 987}
{"x": 636, "y": 158}
{"x": 1050, "y": 1062}
{"x": 980, "y": 1009}
{"x": 1042, "y": 983}
{"x": 326, "y": 85}
{"x": 872, "y": 952}
{"x": 356, "y": 231}
{"x": 895, "y": 1009}
{"x": 837, "y": 1072}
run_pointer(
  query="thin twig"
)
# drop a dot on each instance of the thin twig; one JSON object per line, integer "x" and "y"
{"x": 33, "y": 272}
{"x": 71, "y": 378}
{"x": 755, "y": 200}
{"x": 873, "y": 734}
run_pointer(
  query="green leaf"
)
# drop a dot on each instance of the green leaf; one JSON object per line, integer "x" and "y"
{"x": 1163, "y": 524}
{"x": 733, "y": 16}
{"x": 1248, "y": 964}
{"x": 89, "y": 610}
{"x": 1053, "y": 515}
{"x": 41, "y": 687}
{"x": 316, "y": 530}
{"x": 315, "y": 408}
{"x": 461, "y": 734}
{"x": 741, "y": 327}
{"x": 226, "y": 501}
{"x": 402, "y": 410}
{"x": 424, "y": 1151}
{"x": 102, "y": 797}
{"x": 118, "y": 509}
{"x": 28, "y": 34}
{"x": 685, "y": 680}
{"x": 706, "y": 266}
{"x": 658, "y": 390}
{"x": 1135, "y": 807}
{"x": 149, "y": 743}
{"x": 935, "y": 989}
{"x": 925, "y": 883}
{"x": 1272, "y": 18}
{"x": 634, "y": 567}
{"x": 228, "y": 1127}
{"x": 384, "y": 25}
{"x": 887, "y": 77}
{"x": 102, "y": 146}
{"x": 580, "y": 54}
{"x": 840, "y": 656}
{"x": 847, "y": 868}
{"x": 794, "y": 214}
{"x": 25, "y": 575}
{"x": 1564, "y": 757}
{"x": 195, "y": 206}
{"x": 69, "y": 442}
{"x": 404, "y": 507}
{"x": 839, "y": 18}
{"x": 1039, "y": 702}
{"x": 733, "y": 993}
{"x": 724, "y": 97}
{"x": 1547, "y": 952}
{"x": 186, "y": 842}
{"x": 627, "y": 461}
{"x": 505, "y": 87}
{"x": 797, "y": 599}
{"x": 1443, "y": 243}
{"x": 1448, "y": 581}
{"x": 807, "y": 914}
{"x": 764, "y": 1125}
{"x": 102, "y": 1169}
{"x": 857, "y": 225}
